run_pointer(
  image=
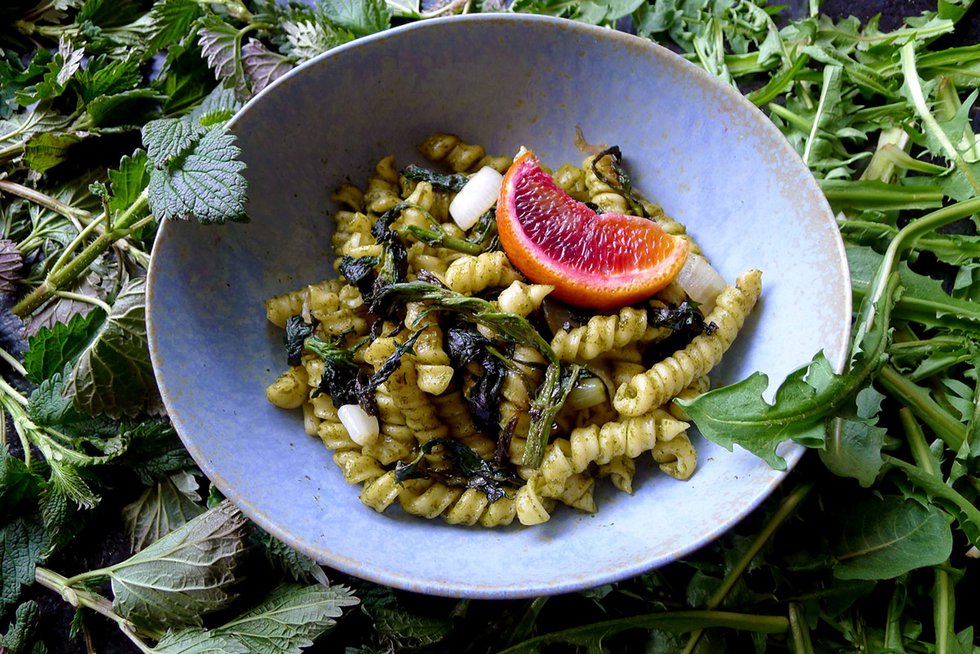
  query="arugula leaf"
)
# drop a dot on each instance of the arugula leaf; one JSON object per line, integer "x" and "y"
{"x": 884, "y": 538}
{"x": 853, "y": 447}
{"x": 113, "y": 375}
{"x": 289, "y": 618}
{"x": 205, "y": 182}
{"x": 168, "y": 505}
{"x": 21, "y": 542}
{"x": 183, "y": 575}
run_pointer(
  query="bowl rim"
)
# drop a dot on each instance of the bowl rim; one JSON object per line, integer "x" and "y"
{"x": 791, "y": 451}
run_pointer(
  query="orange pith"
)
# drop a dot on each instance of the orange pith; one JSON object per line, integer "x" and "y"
{"x": 599, "y": 261}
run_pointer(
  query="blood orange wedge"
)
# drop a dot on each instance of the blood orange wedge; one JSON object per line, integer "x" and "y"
{"x": 600, "y": 261}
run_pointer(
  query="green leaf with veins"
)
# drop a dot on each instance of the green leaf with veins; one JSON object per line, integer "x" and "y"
{"x": 882, "y": 538}
{"x": 221, "y": 45}
{"x": 206, "y": 183}
{"x": 197, "y": 641}
{"x": 23, "y": 631}
{"x": 172, "y": 21}
{"x": 182, "y": 576}
{"x": 289, "y": 618}
{"x": 169, "y": 139}
{"x": 122, "y": 112}
{"x": 128, "y": 181}
{"x": 305, "y": 39}
{"x": 853, "y": 447}
{"x": 362, "y": 17}
{"x": 217, "y": 108}
{"x": 46, "y": 150}
{"x": 53, "y": 347}
{"x": 263, "y": 66}
{"x": 21, "y": 543}
{"x": 113, "y": 375}
{"x": 168, "y": 505}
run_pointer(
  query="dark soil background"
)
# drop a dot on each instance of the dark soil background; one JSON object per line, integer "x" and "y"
{"x": 102, "y": 542}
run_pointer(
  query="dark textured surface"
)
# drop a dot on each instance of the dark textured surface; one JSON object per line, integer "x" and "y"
{"x": 102, "y": 542}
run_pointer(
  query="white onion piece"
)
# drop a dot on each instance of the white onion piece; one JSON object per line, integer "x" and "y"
{"x": 586, "y": 393}
{"x": 700, "y": 281}
{"x": 362, "y": 428}
{"x": 476, "y": 197}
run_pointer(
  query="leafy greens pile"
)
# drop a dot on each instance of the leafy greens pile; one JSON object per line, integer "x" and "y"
{"x": 109, "y": 113}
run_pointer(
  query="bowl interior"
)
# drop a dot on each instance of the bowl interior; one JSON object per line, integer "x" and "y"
{"x": 707, "y": 156}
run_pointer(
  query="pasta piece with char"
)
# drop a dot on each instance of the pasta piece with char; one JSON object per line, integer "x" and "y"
{"x": 603, "y": 334}
{"x": 471, "y": 274}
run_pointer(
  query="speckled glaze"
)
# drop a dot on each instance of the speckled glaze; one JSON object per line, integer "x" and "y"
{"x": 698, "y": 148}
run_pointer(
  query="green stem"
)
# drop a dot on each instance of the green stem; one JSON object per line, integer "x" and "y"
{"x": 936, "y": 488}
{"x": 13, "y": 362}
{"x": 929, "y": 121}
{"x": 893, "y": 625}
{"x": 676, "y": 621}
{"x": 786, "y": 509}
{"x": 87, "y": 299}
{"x": 943, "y": 610}
{"x": 799, "y": 632}
{"x": 44, "y": 200}
{"x": 917, "y": 442}
{"x": 76, "y": 242}
{"x": 126, "y": 224}
{"x": 81, "y": 598}
{"x": 917, "y": 399}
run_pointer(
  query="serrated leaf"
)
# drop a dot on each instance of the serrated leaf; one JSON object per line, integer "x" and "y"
{"x": 47, "y": 404}
{"x": 217, "y": 108}
{"x": 123, "y": 111}
{"x": 44, "y": 151}
{"x": 128, "y": 181}
{"x": 51, "y": 348}
{"x": 104, "y": 76}
{"x": 113, "y": 374}
{"x": 198, "y": 641}
{"x": 289, "y": 618}
{"x": 184, "y": 575}
{"x": 409, "y": 629}
{"x": 11, "y": 263}
{"x": 168, "y": 139}
{"x": 221, "y": 46}
{"x": 17, "y": 483}
{"x": 21, "y": 126}
{"x": 290, "y": 561}
{"x": 208, "y": 185}
{"x": 23, "y": 630}
{"x": 160, "y": 510}
{"x": 171, "y": 20}
{"x": 262, "y": 65}
{"x": 155, "y": 452}
{"x": 307, "y": 39}
{"x": 882, "y": 538}
{"x": 362, "y": 17}
{"x": 21, "y": 544}
{"x": 71, "y": 481}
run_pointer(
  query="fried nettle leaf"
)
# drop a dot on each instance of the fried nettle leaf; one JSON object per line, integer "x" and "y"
{"x": 460, "y": 467}
{"x": 297, "y": 331}
{"x": 483, "y": 398}
{"x": 183, "y": 575}
{"x": 195, "y": 172}
{"x": 453, "y": 182}
{"x": 340, "y": 378}
{"x": 608, "y": 167}
{"x": 359, "y": 273}
{"x": 113, "y": 374}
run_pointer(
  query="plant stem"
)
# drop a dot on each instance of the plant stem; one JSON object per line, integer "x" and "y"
{"x": 917, "y": 442}
{"x": 87, "y": 299}
{"x": 936, "y": 487}
{"x": 79, "y": 598}
{"x": 916, "y": 398}
{"x": 785, "y": 510}
{"x": 44, "y": 200}
{"x": 799, "y": 632}
{"x": 57, "y": 279}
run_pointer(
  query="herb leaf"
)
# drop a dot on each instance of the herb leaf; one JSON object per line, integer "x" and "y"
{"x": 198, "y": 641}
{"x": 362, "y": 17}
{"x": 166, "y": 506}
{"x": 183, "y": 575}
{"x": 113, "y": 375}
{"x": 289, "y": 618}
{"x": 53, "y": 347}
{"x": 21, "y": 543}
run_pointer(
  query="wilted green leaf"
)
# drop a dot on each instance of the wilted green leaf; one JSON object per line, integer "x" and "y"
{"x": 166, "y": 506}
{"x": 184, "y": 575}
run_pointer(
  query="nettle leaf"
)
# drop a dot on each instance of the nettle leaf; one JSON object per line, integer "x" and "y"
{"x": 23, "y": 630}
{"x": 11, "y": 263}
{"x": 168, "y": 505}
{"x": 198, "y": 641}
{"x": 21, "y": 126}
{"x": 122, "y": 111}
{"x": 155, "y": 451}
{"x": 21, "y": 543}
{"x": 207, "y": 184}
{"x": 289, "y": 618}
{"x": 887, "y": 537}
{"x": 53, "y": 347}
{"x": 183, "y": 575}
{"x": 306, "y": 39}
{"x": 288, "y": 560}
{"x": 262, "y": 65}
{"x": 217, "y": 108}
{"x": 105, "y": 76}
{"x": 128, "y": 181}
{"x": 168, "y": 139}
{"x": 44, "y": 151}
{"x": 113, "y": 375}
{"x": 17, "y": 482}
{"x": 409, "y": 629}
{"x": 362, "y": 17}
{"x": 221, "y": 45}
{"x": 172, "y": 20}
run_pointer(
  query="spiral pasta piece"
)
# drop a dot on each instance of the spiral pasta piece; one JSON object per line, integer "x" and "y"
{"x": 472, "y": 274}
{"x": 668, "y": 377}
{"x": 630, "y": 437}
{"x": 605, "y": 333}
{"x": 449, "y": 148}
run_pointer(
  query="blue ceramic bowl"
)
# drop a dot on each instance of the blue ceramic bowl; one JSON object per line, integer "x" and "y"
{"x": 711, "y": 159}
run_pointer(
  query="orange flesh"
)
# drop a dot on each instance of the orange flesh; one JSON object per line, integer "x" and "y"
{"x": 600, "y": 261}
